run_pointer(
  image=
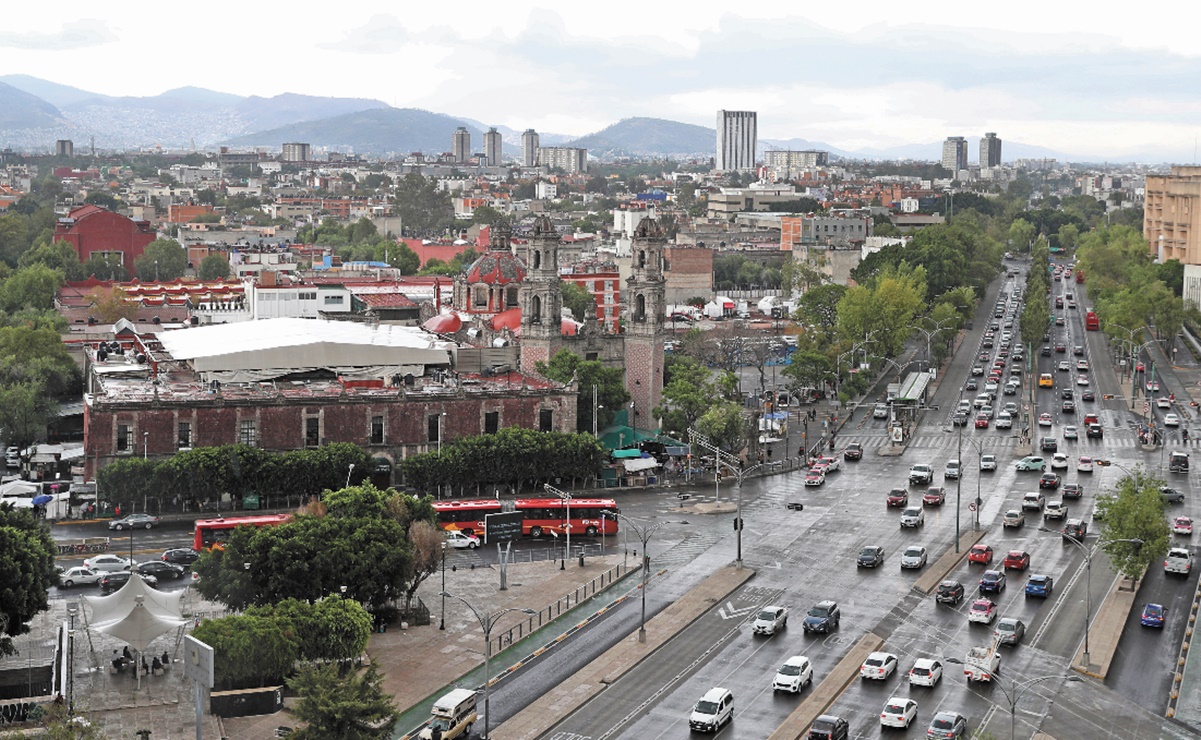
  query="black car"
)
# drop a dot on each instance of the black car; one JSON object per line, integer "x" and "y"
{"x": 1094, "y": 431}
{"x": 161, "y": 570}
{"x": 1088, "y": 396}
{"x": 1075, "y": 529}
{"x": 1049, "y": 480}
{"x": 114, "y": 581}
{"x": 870, "y": 556}
{"x": 949, "y": 592}
{"x": 1067, "y": 394}
{"x": 1045, "y": 351}
{"x": 184, "y": 556}
{"x": 1049, "y": 444}
{"x": 829, "y": 727}
{"x": 823, "y": 617}
{"x": 1072, "y": 490}
{"x": 1068, "y": 407}
{"x": 959, "y": 418}
{"x": 971, "y": 385}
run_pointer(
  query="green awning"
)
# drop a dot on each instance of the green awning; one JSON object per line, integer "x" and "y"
{"x": 621, "y": 454}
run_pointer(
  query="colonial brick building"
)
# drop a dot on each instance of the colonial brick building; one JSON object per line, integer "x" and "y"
{"x": 94, "y": 231}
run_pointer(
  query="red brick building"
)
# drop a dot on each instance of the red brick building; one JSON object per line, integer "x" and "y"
{"x": 94, "y": 231}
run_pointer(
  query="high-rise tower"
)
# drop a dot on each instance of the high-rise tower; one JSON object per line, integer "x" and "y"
{"x": 461, "y": 144}
{"x": 737, "y": 137}
{"x": 990, "y": 151}
{"x": 492, "y": 147}
{"x": 529, "y": 148}
{"x": 954, "y": 154}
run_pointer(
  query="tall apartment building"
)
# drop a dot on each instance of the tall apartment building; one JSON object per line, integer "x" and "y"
{"x": 460, "y": 144}
{"x": 954, "y": 154}
{"x": 492, "y": 147}
{"x": 566, "y": 158}
{"x": 737, "y": 137}
{"x": 529, "y": 148}
{"x": 294, "y": 151}
{"x": 64, "y": 148}
{"x": 990, "y": 151}
{"x": 1172, "y": 215}
{"x": 790, "y": 163}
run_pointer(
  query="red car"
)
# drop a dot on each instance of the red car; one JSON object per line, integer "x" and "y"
{"x": 980, "y": 554}
{"x": 1139, "y": 367}
{"x": 898, "y": 497}
{"x": 1017, "y": 560}
{"x": 934, "y": 496}
{"x": 982, "y": 421}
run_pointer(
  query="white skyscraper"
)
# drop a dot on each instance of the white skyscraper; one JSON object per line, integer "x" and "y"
{"x": 737, "y": 136}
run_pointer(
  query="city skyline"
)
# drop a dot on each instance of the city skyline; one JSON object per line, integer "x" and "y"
{"x": 1079, "y": 84}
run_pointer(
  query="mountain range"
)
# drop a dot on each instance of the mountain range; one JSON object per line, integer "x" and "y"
{"x": 35, "y": 112}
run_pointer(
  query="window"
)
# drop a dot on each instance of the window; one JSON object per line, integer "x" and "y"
{"x": 481, "y": 297}
{"x": 536, "y": 310}
{"x": 433, "y": 428}
{"x": 333, "y": 300}
{"x": 312, "y": 431}
{"x": 377, "y": 430}
{"x": 546, "y": 419}
{"x": 491, "y": 422}
{"x": 640, "y": 308}
{"x": 247, "y": 433}
{"x": 308, "y": 296}
{"x": 184, "y": 438}
{"x": 124, "y": 439}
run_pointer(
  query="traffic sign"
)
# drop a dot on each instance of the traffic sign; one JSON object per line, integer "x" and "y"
{"x": 1146, "y": 407}
{"x": 971, "y": 506}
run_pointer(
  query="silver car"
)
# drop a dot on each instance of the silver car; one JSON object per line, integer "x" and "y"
{"x": 913, "y": 557}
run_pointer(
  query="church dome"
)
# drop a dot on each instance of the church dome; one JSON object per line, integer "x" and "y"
{"x": 496, "y": 268}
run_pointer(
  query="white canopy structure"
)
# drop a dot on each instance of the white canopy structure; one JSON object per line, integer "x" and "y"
{"x": 136, "y": 614}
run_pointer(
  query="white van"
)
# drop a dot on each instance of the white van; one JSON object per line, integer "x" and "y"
{"x": 452, "y": 715}
{"x": 713, "y": 711}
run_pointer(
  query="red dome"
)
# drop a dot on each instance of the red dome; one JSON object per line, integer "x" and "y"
{"x": 496, "y": 268}
{"x": 443, "y": 323}
{"x": 508, "y": 319}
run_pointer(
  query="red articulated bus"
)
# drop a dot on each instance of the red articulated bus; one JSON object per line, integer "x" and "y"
{"x": 211, "y": 534}
{"x": 1091, "y": 322}
{"x": 589, "y": 516}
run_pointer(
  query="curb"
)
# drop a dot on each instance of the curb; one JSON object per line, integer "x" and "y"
{"x": 1182, "y": 656}
{"x": 827, "y": 692}
{"x": 1111, "y": 616}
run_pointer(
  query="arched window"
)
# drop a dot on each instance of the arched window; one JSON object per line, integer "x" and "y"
{"x": 536, "y": 310}
{"x": 481, "y": 296}
{"x": 537, "y": 259}
{"x": 642, "y": 258}
{"x": 640, "y": 308}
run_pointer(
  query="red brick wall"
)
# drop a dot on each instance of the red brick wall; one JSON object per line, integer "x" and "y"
{"x": 106, "y": 232}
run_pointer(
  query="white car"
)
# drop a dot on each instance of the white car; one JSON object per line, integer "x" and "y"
{"x": 951, "y": 470}
{"x": 79, "y": 576}
{"x": 1084, "y": 465}
{"x": 1082, "y": 380}
{"x": 878, "y": 666}
{"x": 913, "y": 516}
{"x": 1179, "y": 560}
{"x": 913, "y": 557}
{"x": 107, "y": 563}
{"x": 771, "y": 620}
{"x": 1065, "y": 366}
{"x": 880, "y": 411}
{"x": 831, "y": 462}
{"x": 1071, "y": 432}
{"x": 1171, "y": 420}
{"x": 925, "y": 672}
{"x": 1059, "y": 461}
{"x": 461, "y": 541}
{"x": 794, "y": 675}
{"x": 898, "y": 712}
{"x": 1163, "y": 402}
{"x": 988, "y": 462}
{"x": 1004, "y": 420}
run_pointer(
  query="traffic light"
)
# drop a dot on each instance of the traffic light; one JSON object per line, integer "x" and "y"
{"x": 737, "y": 523}
{"x": 1107, "y": 396}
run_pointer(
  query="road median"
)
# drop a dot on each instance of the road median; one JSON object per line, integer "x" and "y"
{"x": 949, "y": 561}
{"x": 827, "y": 692}
{"x": 1105, "y": 631}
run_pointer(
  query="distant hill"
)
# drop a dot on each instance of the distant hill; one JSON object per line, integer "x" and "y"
{"x": 649, "y": 136}
{"x": 800, "y": 145}
{"x": 20, "y": 110}
{"x": 53, "y": 93}
{"x": 380, "y": 131}
{"x": 261, "y": 114}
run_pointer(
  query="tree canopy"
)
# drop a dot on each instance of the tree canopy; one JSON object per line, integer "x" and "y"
{"x": 27, "y": 562}
{"x": 611, "y": 393}
{"x": 163, "y": 259}
{"x": 1134, "y": 510}
{"x": 343, "y": 704}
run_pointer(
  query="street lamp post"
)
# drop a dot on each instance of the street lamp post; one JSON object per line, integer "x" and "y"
{"x": 1088, "y": 577}
{"x": 349, "y": 473}
{"x": 566, "y": 498}
{"x": 145, "y": 444}
{"x": 644, "y": 532}
{"x": 72, "y": 610}
{"x": 736, "y": 467}
{"x": 487, "y": 621}
{"x": 1016, "y": 689}
{"x": 442, "y": 619}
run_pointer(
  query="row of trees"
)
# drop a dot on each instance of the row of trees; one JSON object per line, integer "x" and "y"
{"x": 206, "y": 473}
{"x": 1134, "y": 510}
{"x": 515, "y": 457}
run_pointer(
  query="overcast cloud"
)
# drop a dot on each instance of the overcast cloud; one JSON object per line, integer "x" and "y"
{"x": 1075, "y": 79}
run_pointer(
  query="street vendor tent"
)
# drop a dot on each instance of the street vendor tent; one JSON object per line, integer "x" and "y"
{"x": 136, "y": 614}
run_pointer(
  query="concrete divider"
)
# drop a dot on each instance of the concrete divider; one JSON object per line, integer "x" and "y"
{"x": 827, "y": 692}
{"x": 539, "y": 717}
{"x": 1105, "y": 631}
{"x": 949, "y": 561}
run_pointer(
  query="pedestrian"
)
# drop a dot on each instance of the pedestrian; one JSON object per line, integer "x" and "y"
{"x": 117, "y": 511}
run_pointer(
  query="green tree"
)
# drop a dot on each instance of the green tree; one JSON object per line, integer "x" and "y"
{"x": 403, "y": 258}
{"x": 687, "y": 394}
{"x": 1069, "y": 234}
{"x": 214, "y": 267}
{"x": 422, "y": 206}
{"x": 611, "y": 393}
{"x": 25, "y": 411}
{"x": 580, "y": 301}
{"x": 27, "y": 562}
{"x": 818, "y": 307}
{"x": 1134, "y": 510}
{"x": 248, "y": 650}
{"x": 163, "y": 259}
{"x": 486, "y": 215}
{"x": 349, "y": 706}
{"x": 726, "y": 426}
{"x": 105, "y": 268}
{"x": 1021, "y": 235}
{"x": 330, "y": 629}
{"x": 34, "y": 286}
{"x": 58, "y": 255}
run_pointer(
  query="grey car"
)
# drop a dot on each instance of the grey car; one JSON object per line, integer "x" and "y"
{"x": 1010, "y": 631}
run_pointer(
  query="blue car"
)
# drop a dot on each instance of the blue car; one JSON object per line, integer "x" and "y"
{"x": 1039, "y": 585}
{"x": 1153, "y": 615}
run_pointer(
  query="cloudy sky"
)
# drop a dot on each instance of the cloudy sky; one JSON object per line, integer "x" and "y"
{"x": 1088, "y": 79}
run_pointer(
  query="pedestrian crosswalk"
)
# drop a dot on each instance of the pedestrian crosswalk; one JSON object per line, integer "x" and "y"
{"x": 1116, "y": 439}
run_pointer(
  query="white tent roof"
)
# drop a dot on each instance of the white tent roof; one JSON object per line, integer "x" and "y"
{"x": 136, "y": 614}
{"x": 302, "y": 343}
